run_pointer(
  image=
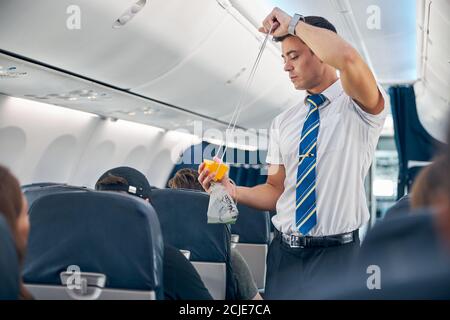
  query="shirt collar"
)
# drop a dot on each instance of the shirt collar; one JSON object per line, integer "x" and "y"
{"x": 331, "y": 93}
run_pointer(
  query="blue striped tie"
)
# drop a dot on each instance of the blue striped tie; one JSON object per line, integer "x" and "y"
{"x": 305, "y": 199}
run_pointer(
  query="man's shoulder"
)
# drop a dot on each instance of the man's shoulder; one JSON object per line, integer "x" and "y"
{"x": 348, "y": 107}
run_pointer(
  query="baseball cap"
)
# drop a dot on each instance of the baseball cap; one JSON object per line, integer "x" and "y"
{"x": 136, "y": 182}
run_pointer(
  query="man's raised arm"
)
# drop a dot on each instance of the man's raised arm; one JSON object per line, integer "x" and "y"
{"x": 357, "y": 79}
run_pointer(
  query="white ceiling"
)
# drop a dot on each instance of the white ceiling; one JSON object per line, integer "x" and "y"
{"x": 390, "y": 50}
{"x": 196, "y": 55}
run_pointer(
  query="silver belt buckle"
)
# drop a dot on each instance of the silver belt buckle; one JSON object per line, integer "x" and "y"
{"x": 347, "y": 238}
{"x": 294, "y": 241}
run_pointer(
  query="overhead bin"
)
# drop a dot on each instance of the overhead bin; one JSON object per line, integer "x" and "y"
{"x": 190, "y": 54}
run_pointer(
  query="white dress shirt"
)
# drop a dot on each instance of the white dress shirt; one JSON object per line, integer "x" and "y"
{"x": 346, "y": 145}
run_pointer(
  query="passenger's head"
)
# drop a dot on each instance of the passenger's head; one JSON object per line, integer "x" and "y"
{"x": 431, "y": 185}
{"x": 14, "y": 207}
{"x": 126, "y": 180}
{"x": 305, "y": 69}
{"x": 185, "y": 179}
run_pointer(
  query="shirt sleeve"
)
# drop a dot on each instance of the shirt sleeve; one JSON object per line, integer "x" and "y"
{"x": 374, "y": 120}
{"x": 273, "y": 150}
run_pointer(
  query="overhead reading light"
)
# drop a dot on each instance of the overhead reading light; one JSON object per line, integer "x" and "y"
{"x": 74, "y": 95}
{"x": 148, "y": 110}
{"x": 11, "y": 72}
{"x": 33, "y": 96}
{"x": 236, "y": 76}
{"x": 129, "y": 14}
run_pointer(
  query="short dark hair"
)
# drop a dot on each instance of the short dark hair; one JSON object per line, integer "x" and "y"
{"x": 186, "y": 178}
{"x": 110, "y": 180}
{"x": 316, "y": 21}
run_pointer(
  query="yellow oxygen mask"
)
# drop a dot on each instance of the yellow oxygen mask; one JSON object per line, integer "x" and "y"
{"x": 215, "y": 167}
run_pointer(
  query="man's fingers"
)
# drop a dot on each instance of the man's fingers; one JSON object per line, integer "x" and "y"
{"x": 208, "y": 180}
{"x": 205, "y": 179}
{"x": 267, "y": 24}
{"x": 202, "y": 176}
{"x": 201, "y": 167}
{"x": 278, "y": 21}
{"x": 276, "y": 24}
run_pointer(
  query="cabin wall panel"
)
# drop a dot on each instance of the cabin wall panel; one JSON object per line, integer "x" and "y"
{"x": 46, "y": 143}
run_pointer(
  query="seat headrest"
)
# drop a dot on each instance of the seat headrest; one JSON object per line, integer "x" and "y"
{"x": 413, "y": 230}
{"x": 409, "y": 255}
{"x": 401, "y": 207}
{"x": 252, "y": 225}
{"x": 183, "y": 218}
{"x": 405, "y": 243}
{"x": 41, "y": 184}
{"x": 404, "y": 253}
{"x": 103, "y": 232}
{"x": 9, "y": 264}
{"x": 34, "y": 192}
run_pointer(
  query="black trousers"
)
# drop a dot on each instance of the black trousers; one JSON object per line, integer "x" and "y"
{"x": 302, "y": 273}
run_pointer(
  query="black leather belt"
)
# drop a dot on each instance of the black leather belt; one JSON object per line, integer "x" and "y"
{"x": 296, "y": 241}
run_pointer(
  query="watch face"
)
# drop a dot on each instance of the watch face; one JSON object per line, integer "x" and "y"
{"x": 293, "y": 24}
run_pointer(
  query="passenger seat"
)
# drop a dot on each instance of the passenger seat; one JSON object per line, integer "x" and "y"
{"x": 253, "y": 228}
{"x": 9, "y": 264}
{"x": 183, "y": 217}
{"x": 114, "y": 239}
{"x": 35, "y": 191}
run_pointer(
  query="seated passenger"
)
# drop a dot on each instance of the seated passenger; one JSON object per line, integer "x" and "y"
{"x": 14, "y": 207}
{"x": 180, "y": 279}
{"x": 247, "y": 290}
{"x": 185, "y": 179}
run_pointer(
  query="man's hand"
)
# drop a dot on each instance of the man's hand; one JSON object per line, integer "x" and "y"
{"x": 280, "y": 21}
{"x": 205, "y": 178}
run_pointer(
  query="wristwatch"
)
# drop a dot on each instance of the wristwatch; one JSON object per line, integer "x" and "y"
{"x": 293, "y": 23}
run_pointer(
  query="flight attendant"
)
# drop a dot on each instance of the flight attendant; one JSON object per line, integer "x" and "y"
{"x": 320, "y": 151}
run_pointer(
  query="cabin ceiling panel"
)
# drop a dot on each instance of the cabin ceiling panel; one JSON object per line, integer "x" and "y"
{"x": 148, "y": 46}
{"x": 212, "y": 80}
